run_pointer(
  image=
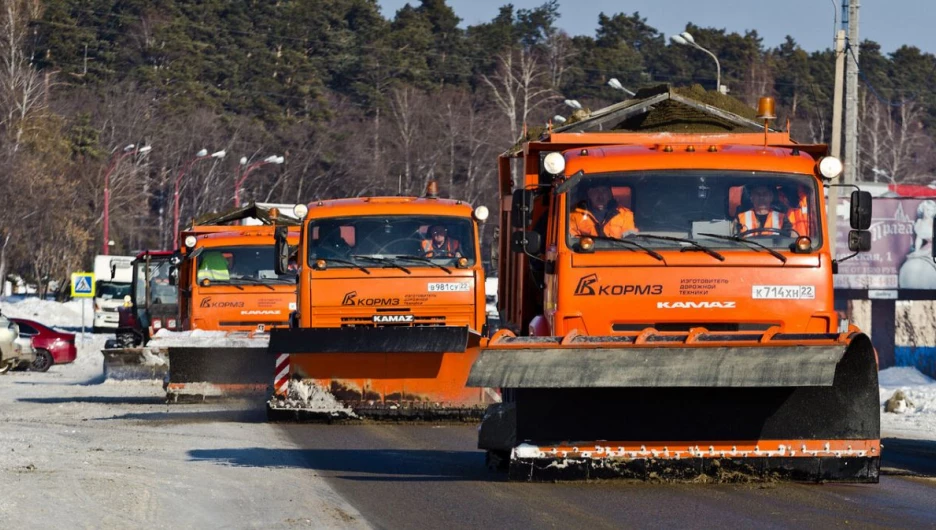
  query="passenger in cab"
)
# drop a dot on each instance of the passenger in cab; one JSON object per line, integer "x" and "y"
{"x": 601, "y": 215}
{"x": 762, "y": 219}
{"x": 439, "y": 244}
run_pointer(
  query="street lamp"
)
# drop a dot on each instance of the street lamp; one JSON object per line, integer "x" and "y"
{"x": 129, "y": 150}
{"x": 685, "y": 39}
{"x": 573, "y": 103}
{"x": 615, "y": 84}
{"x": 243, "y": 162}
{"x": 201, "y": 155}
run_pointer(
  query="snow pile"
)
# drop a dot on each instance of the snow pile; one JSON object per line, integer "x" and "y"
{"x": 312, "y": 397}
{"x": 51, "y": 313}
{"x": 200, "y": 338}
{"x": 915, "y": 414}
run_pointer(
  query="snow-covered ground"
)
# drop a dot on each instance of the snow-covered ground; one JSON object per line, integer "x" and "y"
{"x": 918, "y": 419}
{"x": 78, "y": 453}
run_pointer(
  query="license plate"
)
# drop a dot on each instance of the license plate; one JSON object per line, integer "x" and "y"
{"x": 448, "y": 287}
{"x": 783, "y": 292}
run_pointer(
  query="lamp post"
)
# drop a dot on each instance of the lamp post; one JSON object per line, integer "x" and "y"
{"x": 129, "y": 150}
{"x": 201, "y": 155}
{"x": 243, "y": 162}
{"x": 685, "y": 39}
{"x": 615, "y": 84}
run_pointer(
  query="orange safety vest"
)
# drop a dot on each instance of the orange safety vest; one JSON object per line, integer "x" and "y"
{"x": 748, "y": 221}
{"x": 448, "y": 250}
{"x": 583, "y": 223}
{"x": 799, "y": 216}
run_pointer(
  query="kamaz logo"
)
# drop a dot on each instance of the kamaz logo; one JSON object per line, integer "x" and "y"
{"x": 586, "y": 287}
{"x": 393, "y": 319}
{"x": 352, "y": 299}
{"x": 695, "y": 305}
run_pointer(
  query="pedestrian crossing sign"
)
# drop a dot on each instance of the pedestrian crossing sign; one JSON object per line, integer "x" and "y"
{"x": 82, "y": 285}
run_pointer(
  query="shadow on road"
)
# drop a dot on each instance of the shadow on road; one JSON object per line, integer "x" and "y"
{"x": 109, "y": 400}
{"x": 908, "y": 457}
{"x": 362, "y": 464}
{"x": 171, "y": 416}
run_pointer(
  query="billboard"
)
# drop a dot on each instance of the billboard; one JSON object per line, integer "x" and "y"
{"x": 901, "y": 246}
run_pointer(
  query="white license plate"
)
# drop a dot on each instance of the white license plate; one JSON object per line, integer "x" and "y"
{"x": 783, "y": 292}
{"x": 448, "y": 287}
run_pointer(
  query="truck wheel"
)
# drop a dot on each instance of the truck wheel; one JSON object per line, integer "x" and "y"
{"x": 5, "y": 367}
{"x": 43, "y": 361}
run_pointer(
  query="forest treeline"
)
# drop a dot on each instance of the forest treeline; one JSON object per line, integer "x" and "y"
{"x": 355, "y": 102}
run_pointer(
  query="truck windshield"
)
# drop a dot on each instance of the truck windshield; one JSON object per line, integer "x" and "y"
{"x": 710, "y": 208}
{"x": 239, "y": 265}
{"x": 160, "y": 289}
{"x": 432, "y": 240}
{"x": 112, "y": 291}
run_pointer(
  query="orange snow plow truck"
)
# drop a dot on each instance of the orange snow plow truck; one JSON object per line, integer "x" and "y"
{"x": 391, "y": 310}
{"x": 666, "y": 288}
{"x": 229, "y": 299}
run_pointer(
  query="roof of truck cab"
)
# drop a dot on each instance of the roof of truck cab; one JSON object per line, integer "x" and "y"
{"x": 364, "y": 206}
{"x": 246, "y": 236}
{"x": 723, "y": 157}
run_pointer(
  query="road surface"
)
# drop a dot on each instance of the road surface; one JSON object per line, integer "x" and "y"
{"x": 422, "y": 476}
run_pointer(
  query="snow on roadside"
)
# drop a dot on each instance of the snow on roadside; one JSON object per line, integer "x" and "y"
{"x": 919, "y": 422}
{"x": 51, "y": 313}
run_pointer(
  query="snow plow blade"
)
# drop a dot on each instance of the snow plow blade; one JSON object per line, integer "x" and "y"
{"x": 384, "y": 373}
{"x": 140, "y": 363}
{"x": 215, "y": 364}
{"x": 683, "y": 406}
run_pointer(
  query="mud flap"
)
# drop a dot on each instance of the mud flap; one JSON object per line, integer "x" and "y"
{"x": 687, "y": 396}
{"x": 218, "y": 371}
{"x": 135, "y": 363}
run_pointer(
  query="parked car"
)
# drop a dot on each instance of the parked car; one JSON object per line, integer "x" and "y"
{"x": 12, "y": 354}
{"x": 51, "y": 347}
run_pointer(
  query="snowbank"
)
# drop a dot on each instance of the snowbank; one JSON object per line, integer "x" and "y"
{"x": 919, "y": 421}
{"x": 51, "y": 313}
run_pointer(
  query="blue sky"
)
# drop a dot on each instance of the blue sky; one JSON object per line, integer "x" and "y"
{"x": 890, "y": 23}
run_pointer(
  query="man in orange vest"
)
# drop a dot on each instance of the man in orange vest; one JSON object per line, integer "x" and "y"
{"x": 600, "y": 215}
{"x": 762, "y": 215}
{"x": 798, "y": 214}
{"x": 439, "y": 245}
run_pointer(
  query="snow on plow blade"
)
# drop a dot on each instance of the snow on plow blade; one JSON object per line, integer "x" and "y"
{"x": 206, "y": 365}
{"x": 135, "y": 363}
{"x": 388, "y": 373}
{"x": 723, "y": 407}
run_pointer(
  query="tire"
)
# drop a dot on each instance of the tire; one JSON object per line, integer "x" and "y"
{"x": 43, "y": 361}
{"x": 5, "y": 367}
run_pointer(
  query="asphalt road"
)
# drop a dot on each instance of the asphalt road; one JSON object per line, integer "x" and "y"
{"x": 424, "y": 476}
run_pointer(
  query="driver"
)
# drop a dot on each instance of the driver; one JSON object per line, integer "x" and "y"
{"x": 601, "y": 215}
{"x": 762, "y": 215}
{"x": 439, "y": 244}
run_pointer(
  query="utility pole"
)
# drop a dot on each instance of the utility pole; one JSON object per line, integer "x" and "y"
{"x": 836, "y": 129}
{"x": 851, "y": 94}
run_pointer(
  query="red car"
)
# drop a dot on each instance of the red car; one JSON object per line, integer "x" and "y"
{"x": 52, "y": 347}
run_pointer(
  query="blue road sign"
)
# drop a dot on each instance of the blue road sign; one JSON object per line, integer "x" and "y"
{"x": 82, "y": 285}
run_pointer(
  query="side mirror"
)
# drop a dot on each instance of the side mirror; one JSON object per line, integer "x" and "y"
{"x": 933, "y": 240}
{"x": 521, "y": 206}
{"x": 173, "y": 275}
{"x": 859, "y": 241}
{"x": 526, "y": 241}
{"x": 281, "y": 263}
{"x": 860, "y": 210}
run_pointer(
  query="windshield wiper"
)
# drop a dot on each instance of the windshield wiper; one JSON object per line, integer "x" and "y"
{"x": 248, "y": 281}
{"x": 694, "y": 244}
{"x": 423, "y": 260}
{"x": 757, "y": 245}
{"x": 346, "y": 262}
{"x": 221, "y": 282}
{"x": 385, "y": 261}
{"x": 633, "y": 244}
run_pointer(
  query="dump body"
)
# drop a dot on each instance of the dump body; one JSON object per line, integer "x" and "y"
{"x": 673, "y": 311}
{"x": 381, "y": 330}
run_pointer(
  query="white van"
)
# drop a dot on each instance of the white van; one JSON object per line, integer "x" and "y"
{"x": 113, "y": 276}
